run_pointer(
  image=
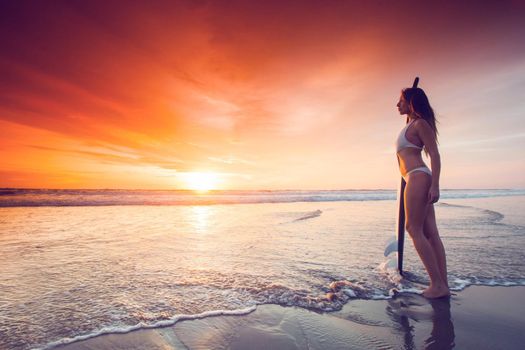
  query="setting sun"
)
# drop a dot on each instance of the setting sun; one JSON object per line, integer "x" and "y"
{"x": 201, "y": 181}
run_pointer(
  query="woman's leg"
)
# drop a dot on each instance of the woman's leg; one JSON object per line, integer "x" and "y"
{"x": 416, "y": 207}
{"x": 431, "y": 232}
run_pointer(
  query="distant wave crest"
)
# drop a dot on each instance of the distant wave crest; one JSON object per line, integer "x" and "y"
{"x": 56, "y": 197}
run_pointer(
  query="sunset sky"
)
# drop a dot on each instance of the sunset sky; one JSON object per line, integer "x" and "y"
{"x": 259, "y": 94}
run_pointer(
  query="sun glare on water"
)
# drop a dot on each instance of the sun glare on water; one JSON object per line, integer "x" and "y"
{"x": 201, "y": 181}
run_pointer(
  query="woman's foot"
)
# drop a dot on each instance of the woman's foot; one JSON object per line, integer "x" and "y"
{"x": 436, "y": 292}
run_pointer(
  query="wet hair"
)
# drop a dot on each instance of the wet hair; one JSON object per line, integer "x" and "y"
{"x": 419, "y": 105}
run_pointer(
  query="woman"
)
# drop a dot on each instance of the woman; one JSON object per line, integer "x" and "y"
{"x": 422, "y": 185}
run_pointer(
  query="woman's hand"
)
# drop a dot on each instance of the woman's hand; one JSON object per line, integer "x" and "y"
{"x": 433, "y": 194}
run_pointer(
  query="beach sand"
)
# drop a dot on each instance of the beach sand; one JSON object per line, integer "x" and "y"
{"x": 479, "y": 317}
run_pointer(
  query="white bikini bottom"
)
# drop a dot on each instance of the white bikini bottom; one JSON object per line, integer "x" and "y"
{"x": 421, "y": 168}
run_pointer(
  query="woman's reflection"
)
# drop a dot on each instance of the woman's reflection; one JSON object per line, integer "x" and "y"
{"x": 404, "y": 307}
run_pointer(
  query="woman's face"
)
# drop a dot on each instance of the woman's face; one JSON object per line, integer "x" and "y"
{"x": 402, "y": 106}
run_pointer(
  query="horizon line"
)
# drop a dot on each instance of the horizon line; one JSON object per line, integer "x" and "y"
{"x": 253, "y": 190}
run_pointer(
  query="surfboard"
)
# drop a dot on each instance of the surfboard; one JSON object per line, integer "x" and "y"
{"x": 400, "y": 225}
{"x": 390, "y": 247}
{"x": 400, "y": 232}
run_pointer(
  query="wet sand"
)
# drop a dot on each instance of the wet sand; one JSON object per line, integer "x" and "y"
{"x": 480, "y": 317}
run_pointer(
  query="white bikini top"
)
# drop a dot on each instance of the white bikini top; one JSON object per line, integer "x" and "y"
{"x": 402, "y": 141}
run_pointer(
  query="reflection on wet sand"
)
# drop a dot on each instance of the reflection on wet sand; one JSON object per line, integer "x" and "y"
{"x": 406, "y": 307}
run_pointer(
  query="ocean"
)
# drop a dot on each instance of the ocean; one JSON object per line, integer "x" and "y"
{"x": 79, "y": 263}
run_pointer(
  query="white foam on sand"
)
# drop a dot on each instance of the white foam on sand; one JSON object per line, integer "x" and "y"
{"x": 163, "y": 323}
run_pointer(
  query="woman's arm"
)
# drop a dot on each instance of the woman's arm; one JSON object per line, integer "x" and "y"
{"x": 429, "y": 140}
